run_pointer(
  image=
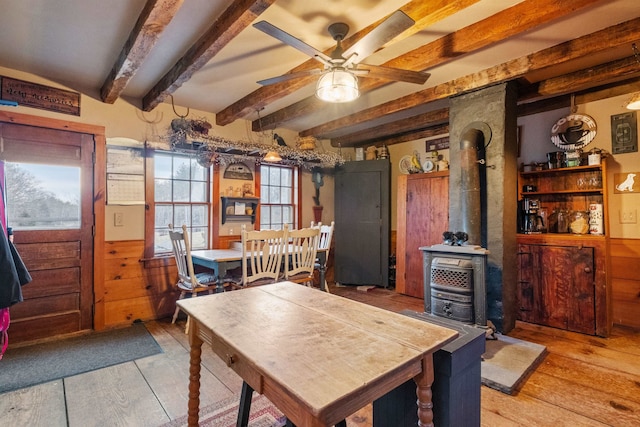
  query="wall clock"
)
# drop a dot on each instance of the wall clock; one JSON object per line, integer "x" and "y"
{"x": 573, "y": 132}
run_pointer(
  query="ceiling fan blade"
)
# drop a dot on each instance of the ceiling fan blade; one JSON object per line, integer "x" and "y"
{"x": 395, "y": 24}
{"x": 290, "y": 76}
{"x": 397, "y": 74}
{"x": 287, "y": 38}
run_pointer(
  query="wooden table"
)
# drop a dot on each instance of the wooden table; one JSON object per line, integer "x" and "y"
{"x": 222, "y": 260}
{"x": 318, "y": 357}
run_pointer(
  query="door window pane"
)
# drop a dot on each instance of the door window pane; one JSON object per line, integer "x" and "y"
{"x": 42, "y": 197}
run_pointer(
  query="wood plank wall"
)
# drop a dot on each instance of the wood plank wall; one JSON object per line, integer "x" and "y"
{"x": 625, "y": 281}
{"x": 135, "y": 289}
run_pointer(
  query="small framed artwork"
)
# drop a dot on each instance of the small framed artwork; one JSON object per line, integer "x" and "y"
{"x": 626, "y": 183}
{"x": 238, "y": 171}
{"x": 624, "y": 133}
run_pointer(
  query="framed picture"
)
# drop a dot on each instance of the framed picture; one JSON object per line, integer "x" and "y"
{"x": 624, "y": 133}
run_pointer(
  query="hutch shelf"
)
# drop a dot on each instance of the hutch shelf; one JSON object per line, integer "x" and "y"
{"x": 562, "y": 277}
{"x": 239, "y": 208}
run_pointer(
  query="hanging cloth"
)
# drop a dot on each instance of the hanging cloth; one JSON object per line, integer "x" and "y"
{"x": 13, "y": 275}
{"x": 4, "y": 335}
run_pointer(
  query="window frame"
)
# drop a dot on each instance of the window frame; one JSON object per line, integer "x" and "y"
{"x": 150, "y": 206}
{"x": 295, "y": 193}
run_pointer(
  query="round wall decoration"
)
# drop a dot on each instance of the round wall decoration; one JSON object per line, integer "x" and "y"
{"x": 573, "y": 132}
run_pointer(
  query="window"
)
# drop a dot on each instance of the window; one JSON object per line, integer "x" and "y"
{"x": 278, "y": 196}
{"x": 181, "y": 196}
{"x": 42, "y": 197}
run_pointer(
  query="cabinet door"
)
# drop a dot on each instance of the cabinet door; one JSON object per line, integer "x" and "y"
{"x": 528, "y": 291}
{"x": 582, "y": 303}
{"x": 557, "y": 287}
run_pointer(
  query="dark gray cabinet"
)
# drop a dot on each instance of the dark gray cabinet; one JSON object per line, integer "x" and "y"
{"x": 362, "y": 216}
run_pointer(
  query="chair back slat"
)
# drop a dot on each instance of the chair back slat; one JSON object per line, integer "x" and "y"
{"x": 182, "y": 252}
{"x": 326, "y": 234}
{"x": 302, "y": 250}
{"x": 262, "y": 253}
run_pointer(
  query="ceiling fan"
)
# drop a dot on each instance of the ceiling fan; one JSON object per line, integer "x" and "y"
{"x": 338, "y": 81}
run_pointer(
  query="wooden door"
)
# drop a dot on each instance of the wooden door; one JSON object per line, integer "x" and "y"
{"x": 423, "y": 215}
{"x": 57, "y": 250}
{"x": 362, "y": 228}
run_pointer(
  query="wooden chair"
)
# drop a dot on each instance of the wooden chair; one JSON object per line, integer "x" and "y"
{"x": 262, "y": 253}
{"x": 302, "y": 249}
{"x": 324, "y": 242}
{"x": 188, "y": 282}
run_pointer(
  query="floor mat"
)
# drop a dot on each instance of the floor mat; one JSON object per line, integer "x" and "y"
{"x": 35, "y": 364}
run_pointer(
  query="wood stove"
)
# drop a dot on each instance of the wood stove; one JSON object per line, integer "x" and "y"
{"x": 455, "y": 282}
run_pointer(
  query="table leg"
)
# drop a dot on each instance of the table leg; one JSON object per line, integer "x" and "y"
{"x": 423, "y": 392}
{"x": 219, "y": 277}
{"x": 323, "y": 283}
{"x": 245, "y": 405}
{"x": 194, "y": 375}
{"x": 322, "y": 269}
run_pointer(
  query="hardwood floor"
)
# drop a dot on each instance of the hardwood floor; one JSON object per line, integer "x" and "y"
{"x": 583, "y": 380}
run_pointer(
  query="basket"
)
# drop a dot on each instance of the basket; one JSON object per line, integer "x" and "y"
{"x": 306, "y": 143}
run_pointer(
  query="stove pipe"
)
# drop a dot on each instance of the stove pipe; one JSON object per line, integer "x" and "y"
{"x": 471, "y": 212}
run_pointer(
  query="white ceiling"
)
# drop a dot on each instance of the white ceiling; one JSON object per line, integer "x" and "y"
{"x": 76, "y": 43}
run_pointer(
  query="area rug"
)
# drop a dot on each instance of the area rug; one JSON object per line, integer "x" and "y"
{"x": 508, "y": 362}
{"x": 225, "y": 414}
{"x": 26, "y": 366}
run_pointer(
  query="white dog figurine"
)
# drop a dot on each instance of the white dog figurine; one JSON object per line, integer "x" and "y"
{"x": 627, "y": 185}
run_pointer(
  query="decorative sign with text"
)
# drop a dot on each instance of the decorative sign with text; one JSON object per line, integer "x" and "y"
{"x": 573, "y": 132}
{"x": 437, "y": 144}
{"x": 38, "y": 96}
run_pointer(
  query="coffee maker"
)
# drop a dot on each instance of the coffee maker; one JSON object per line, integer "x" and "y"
{"x": 530, "y": 221}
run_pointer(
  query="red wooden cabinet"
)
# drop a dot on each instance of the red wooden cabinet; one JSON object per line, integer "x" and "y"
{"x": 422, "y": 215}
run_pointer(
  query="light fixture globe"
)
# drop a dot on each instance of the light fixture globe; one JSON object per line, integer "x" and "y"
{"x": 337, "y": 85}
{"x": 634, "y": 102}
{"x": 272, "y": 156}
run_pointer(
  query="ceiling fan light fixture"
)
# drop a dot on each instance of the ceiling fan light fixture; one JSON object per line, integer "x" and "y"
{"x": 272, "y": 156}
{"x": 338, "y": 85}
{"x": 634, "y": 102}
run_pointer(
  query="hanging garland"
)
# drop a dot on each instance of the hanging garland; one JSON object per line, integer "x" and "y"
{"x": 193, "y": 136}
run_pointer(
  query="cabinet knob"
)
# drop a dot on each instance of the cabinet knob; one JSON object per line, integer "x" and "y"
{"x": 230, "y": 360}
{"x": 587, "y": 269}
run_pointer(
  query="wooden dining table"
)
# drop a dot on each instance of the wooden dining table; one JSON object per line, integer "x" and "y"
{"x": 223, "y": 260}
{"x": 316, "y": 356}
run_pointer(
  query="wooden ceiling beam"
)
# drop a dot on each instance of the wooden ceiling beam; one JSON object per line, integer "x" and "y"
{"x": 600, "y": 41}
{"x": 525, "y": 108}
{"x": 403, "y": 126}
{"x": 426, "y": 132}
{"x": 422, "y": 12}
{"x": 610, "y": 72}
{"x": 238, "y": 16}
{"x": 510, "y": 22}
{"x": 153, "y": 19}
